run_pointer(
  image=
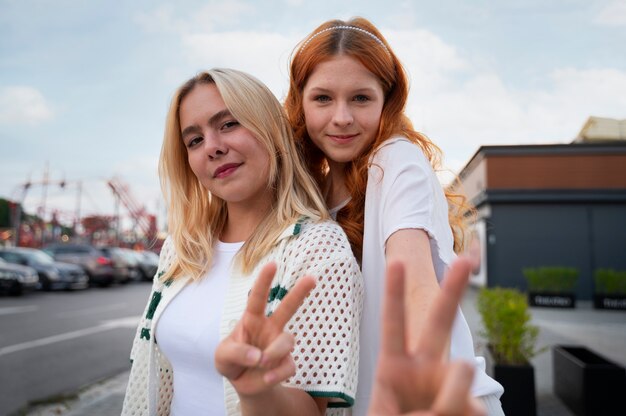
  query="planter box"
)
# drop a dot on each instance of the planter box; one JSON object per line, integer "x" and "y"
{"x": 616, "y": 302}
{"x": 587, "y": 383}
{"x": 552, "y": 300}
{"x": 519, "y": 386}
{"x": 519, "y": 389}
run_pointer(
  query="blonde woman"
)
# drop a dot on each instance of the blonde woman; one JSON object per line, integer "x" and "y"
{"x": 221, "y": 334}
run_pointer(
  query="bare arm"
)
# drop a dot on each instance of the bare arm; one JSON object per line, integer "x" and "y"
{"x": 412, "y": 248}
{"x": 283, "y": 401}
{"x": 422, "y": 382}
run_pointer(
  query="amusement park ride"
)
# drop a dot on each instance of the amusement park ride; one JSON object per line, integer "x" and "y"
{"x": 36, "y": 233}
{"x": 146, "y": 222}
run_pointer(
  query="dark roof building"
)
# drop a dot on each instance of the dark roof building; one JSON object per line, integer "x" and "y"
{"x": 549, "y": 205}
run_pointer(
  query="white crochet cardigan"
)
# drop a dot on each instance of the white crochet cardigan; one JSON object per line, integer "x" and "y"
{"x": 326, "y": 327}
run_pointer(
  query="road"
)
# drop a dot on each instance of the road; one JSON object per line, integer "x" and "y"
{"x": 53, "y": 343}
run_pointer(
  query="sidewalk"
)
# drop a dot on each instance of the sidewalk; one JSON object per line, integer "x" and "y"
{"x": 100, "y": 399}
{"x": 602, "y": 331}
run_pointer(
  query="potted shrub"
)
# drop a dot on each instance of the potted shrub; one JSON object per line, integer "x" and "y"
{"x": 511, "y": 343}
{"x": 552, "y": 286}
{"x": 609, "y": 289}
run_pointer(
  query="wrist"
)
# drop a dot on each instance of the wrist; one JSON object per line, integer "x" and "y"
{"x": 260, "y": 402}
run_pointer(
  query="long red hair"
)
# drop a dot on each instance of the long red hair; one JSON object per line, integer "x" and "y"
{"x": 376, "y": 55}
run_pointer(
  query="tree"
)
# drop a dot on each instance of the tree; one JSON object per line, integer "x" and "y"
{"x": 5, "y": 213}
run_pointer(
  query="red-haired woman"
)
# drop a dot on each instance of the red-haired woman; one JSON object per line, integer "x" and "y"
{"x": 346, "y": 103}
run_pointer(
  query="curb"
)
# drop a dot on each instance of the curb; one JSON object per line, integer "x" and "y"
{"x": 103, "y": 398}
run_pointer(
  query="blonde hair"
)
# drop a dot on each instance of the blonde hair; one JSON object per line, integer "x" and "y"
{"x": 196, "y": 217}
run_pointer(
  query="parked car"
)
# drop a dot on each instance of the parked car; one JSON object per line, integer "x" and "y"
{"x": 16, "y": 279}
{"x": 98, "y": 267}
{"x": 52, "y": 274}
{"x": 125, "y": 266}
{"x": 147, "y": 264}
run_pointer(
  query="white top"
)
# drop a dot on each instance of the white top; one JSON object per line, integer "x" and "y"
{"x": 325, "y": 327}
{"x": 407, "y": 195}
{"x": 188, "y": 334}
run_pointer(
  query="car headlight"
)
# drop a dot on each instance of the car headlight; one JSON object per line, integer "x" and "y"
{"x": 11, "y": 275}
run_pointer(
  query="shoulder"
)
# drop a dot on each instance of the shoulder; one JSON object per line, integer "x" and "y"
{"x": 318, "y": 241}
{"x": 399, "y": 148}
{"x": 323, "y": 231}
{"x": 399, "y": 159}
{"x": 398, "y": 156}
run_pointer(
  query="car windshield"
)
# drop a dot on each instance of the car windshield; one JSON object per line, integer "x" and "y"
{"x": 41, "y": 257}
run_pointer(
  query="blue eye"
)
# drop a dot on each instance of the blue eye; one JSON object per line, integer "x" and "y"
{"x": 361, "y": 98}
{"x": 322, "y": 98}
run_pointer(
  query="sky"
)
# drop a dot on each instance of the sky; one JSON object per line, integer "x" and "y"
{"x": 85, "y": 86}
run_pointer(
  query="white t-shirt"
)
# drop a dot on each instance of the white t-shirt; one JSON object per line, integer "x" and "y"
{"x": 325, "y": 327}
{"x": 188, "y": 333}
{"x": 405, "y": 194}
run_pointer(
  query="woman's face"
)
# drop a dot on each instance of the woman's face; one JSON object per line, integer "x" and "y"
{"x": 225, "y": 157}
{"x": 342, "y": 102}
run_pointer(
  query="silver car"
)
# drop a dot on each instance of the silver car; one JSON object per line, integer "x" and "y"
{"x": 16, "y": 279}
{"x": 98, "y": 267}
{"x": 52, "y": 274}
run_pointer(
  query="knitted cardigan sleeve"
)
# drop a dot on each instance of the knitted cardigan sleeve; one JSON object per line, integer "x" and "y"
{"x": 136, "y": 400}
{"x": 326, "y": 326}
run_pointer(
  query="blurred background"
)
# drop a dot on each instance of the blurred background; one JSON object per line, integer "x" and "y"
{"x": 84, "y": 87}
{"x": 513, "y": 92}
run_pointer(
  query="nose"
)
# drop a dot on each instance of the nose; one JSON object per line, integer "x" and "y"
{"x": 342, "y": 116}
{"x": 215, "y": 146}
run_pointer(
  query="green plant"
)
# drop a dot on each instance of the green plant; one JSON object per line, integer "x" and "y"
{"x": 551, "y": 279}
{"x": 510, "y": 335}
{"x": 609, "y": 281}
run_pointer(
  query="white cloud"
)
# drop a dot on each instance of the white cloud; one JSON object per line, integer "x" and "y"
{"x": 578, "y": 94}
{"x": 140, "y": 173}
{"x": 264, "y": 55}
{"x": 210, "y": 16}
{"x": 484, "y": 111}
{"x": 160, "y": 19}
{"x": 456, "y": 99}
{"x": 429, "y": 61}
{"x": 23, "y": 105}
{"x": 613, "y": 14}
{"x": 461, "y": 104}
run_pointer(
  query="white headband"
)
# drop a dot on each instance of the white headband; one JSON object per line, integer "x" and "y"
{"x": 343, "y": 27}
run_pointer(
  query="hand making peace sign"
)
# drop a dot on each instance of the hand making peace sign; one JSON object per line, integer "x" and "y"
{"x": 257, "y": 354}
{"x": 422, "y": 382}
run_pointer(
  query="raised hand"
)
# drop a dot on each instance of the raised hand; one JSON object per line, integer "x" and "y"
{"x": 422, "y": 382}
{"x": 257, "y": 354}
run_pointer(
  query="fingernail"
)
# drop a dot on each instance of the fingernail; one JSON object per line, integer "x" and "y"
{"x": 253, "y": 356}
{"x": 269, "y": 377}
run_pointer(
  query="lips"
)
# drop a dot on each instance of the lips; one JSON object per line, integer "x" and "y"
{"x": 225, "y": 170}
{"x": 342, "y": 138}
